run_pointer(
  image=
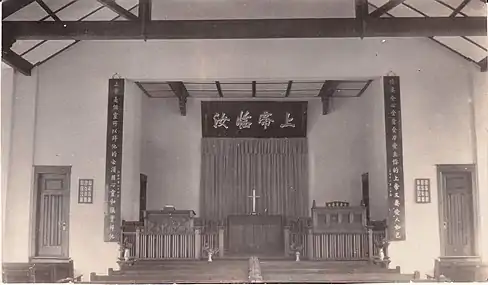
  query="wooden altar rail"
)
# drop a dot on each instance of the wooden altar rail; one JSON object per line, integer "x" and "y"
{"x": 173, "y": 246}
{"x": 335, "y": 246}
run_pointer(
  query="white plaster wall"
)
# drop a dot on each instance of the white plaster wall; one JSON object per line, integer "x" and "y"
{"x": 338, "y": 149}
{"x": 19, "y": 195}
{"x": 71, "y": 120}
{"x": 171, "y": 152}
{"x": 480, "y": 104}
{"x": 131, "y": 151}
{"x": 72, "y": 130}
{"x": 375, "y": 154}
{"x": 7, "y": 98}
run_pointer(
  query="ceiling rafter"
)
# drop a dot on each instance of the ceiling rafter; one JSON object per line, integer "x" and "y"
{"x": 77, "y": 41}
{"x": 9, "y": 7}
{"x": 328, "y": 89}
{"x": 180, "y": 91}
{"x": 463, "y": 37}
{"x": 219, "y": 88}
{"x": 112, "y": 5}
{"x": 459, "y": 8}
{"x": 288, "y": 88}
{"x": 388, "y": 6}
{"x": 48, "y": 10}
{"x": 450, "y": 7}
{"x": 432, "y": 38}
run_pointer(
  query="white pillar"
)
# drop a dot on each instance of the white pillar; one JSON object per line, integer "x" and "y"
{"x": 131, "y": 151}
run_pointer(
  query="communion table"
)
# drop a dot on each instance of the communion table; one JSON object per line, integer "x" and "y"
{"x": 255, "y": 234}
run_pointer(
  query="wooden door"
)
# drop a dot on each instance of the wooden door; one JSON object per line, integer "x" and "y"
{"x": 365, "y": 189}
{"x": 52, "y": 215}
{"x": 142, "y": 197}
{"x": 457, "y": 221}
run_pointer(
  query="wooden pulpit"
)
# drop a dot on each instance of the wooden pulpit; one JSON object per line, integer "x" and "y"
{"x": 339, "y": 217}
{"x": 255, "y": 234}
{"x": 168, "y": 221}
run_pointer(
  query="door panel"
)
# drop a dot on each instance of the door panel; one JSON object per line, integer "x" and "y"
{"x": 458, "y": 214}
{"x": 53, "y": 215}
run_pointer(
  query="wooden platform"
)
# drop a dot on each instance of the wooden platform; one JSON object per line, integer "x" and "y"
{"x": 237, "y": 271}
{"x": 275, "y": 271}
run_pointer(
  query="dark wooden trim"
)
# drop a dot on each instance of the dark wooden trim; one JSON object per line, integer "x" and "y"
{"x": 470, "y": 168}
{"x": 112, "y": 5}
{"x": 249, "y": 28}
{"x": 34, "y": 215}
{"x": 254, "y": 89}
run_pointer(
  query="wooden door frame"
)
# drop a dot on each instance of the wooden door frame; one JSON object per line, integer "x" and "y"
{"x": 468, "y": 168}
{"x": 34, "y": 215}
{"x": 142, "y": 177}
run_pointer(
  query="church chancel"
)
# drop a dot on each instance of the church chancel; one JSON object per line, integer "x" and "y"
{"x": 254, "y": 171}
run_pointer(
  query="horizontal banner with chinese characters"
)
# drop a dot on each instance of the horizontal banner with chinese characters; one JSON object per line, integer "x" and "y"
{"x": 394, "y": 159}
{"x": 254, "y": 119}
{"x": 113, "y": 168}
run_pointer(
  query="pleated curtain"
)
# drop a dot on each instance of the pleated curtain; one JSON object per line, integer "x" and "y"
{"x": 232, "y": 167}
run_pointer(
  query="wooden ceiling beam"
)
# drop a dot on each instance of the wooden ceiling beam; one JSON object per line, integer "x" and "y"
{"x": 328, "y": 89}
{"x": 248, "y": 28}
{"x": 181, "y": 92}
{"x": 11, "y": 6}
{"x": 17, "y": 62}
{"x": 483, "y": 64}
{"x": 112, "y": 5}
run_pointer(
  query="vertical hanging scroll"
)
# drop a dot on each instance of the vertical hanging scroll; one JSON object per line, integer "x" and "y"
{"x": 394, "y": 159}
{"x": 113, "y": 168}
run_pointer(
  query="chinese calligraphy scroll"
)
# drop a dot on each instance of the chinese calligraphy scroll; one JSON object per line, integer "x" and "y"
{"x": 85, "y": 191}
{"x": 254, "y": 119}
{"x": 113, "y": 174}
{"x": 394, "y": 159}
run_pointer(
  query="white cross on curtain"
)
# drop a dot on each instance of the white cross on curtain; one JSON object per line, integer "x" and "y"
{"x": 232, "y": 167}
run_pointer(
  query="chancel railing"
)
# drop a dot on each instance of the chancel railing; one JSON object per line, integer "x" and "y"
{"x": 336, "y": 231}
{"x": 170, "y": 234}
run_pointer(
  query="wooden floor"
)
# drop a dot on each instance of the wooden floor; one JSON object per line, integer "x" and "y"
{"x": 335, "y": 272}
{"x": 236, "y": 270}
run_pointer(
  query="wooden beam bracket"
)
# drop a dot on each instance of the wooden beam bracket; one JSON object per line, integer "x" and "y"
{"x": 181, "y": 92}
{"x": 17, "y": 62}
{"x": 328, "y": 89}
